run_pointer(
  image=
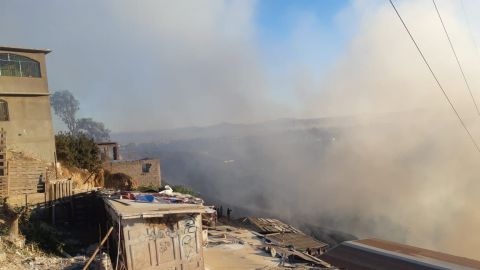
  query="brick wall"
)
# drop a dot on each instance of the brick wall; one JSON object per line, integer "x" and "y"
{"x": 137, "y": 169}
{"x": 24, "y": 174}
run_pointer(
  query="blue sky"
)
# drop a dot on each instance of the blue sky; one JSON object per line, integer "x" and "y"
{"x": 276, "y": 19}
{"x": 305, "y": 32}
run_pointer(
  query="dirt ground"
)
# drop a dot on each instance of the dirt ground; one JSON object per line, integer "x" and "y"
{"x": 237, "y": 257}
{"x": 237, "y": 249}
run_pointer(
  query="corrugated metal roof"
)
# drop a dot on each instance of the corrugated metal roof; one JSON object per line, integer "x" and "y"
{"x": 376, "y": 254}
{"x": 299, "y": 241}
{"x": 268, "y": 225}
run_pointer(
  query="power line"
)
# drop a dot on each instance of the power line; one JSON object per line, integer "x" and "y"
{"x": 435, "y": 77}
{"x": 456, "y": 57}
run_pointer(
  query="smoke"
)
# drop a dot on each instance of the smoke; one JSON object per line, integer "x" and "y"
{"x": 404, "y": 171}
{"x": 144, "y": 65}
{"x": 414, "y": 179}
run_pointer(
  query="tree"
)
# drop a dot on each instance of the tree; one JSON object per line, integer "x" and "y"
{"x": 78, "y": 150}
{"x": 96, "y": 130}
{"x": 66, "y": 106}
{"x": 13, "y": 216}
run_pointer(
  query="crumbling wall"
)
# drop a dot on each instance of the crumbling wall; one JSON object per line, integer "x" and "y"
{"x": 144, "y": 172}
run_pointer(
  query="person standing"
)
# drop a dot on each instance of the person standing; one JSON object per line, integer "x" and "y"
{"x": 229, "y": 211}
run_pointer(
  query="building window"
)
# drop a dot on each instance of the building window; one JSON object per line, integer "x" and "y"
{"x": 146, "y": 167}
{"x": 3, "y": 110}
{"x": 18, "y": 66}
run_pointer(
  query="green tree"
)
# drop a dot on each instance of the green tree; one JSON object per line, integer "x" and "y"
{"x": 78, "y": 150}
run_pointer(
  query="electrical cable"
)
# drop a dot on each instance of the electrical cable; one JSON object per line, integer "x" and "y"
{"x": 435, "y": 77}
{"x": 456, "y": 57}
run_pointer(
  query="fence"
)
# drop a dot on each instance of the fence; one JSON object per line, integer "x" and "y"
{"x": 58, "y": 189}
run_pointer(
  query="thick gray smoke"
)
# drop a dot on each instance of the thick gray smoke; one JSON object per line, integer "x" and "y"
{"x": 149, "y": 64}
{"x": 410, "y": 176}
{"x": 414, "y": 179}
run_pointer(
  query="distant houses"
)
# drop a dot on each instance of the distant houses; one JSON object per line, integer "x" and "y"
{"x": 144, "y": 172}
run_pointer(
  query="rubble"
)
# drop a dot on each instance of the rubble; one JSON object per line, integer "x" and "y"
{"x": 31, "y": 257}
{"x": 230, "y": 247}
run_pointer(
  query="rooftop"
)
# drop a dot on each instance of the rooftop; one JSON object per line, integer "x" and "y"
{"x": 129, "y": 209}
{"x": 132, "y": 160}
{"x": 107, "y": 143}
{"x": 27, "y": 50}
{"x": 373, "y": 254}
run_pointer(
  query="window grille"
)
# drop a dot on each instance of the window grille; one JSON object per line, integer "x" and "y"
{"x": 18, "y": 66}
{"x": 3, "y": 110}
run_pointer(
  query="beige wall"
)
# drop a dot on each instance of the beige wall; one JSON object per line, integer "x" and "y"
{"x": 133, "y": 168}
{"x": 29, "y": 128}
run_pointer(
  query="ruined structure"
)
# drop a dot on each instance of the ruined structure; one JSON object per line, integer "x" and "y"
{"x": 284, "y": 235}
{"x": 144, "y": 172}
{"x": 27, "y": 147}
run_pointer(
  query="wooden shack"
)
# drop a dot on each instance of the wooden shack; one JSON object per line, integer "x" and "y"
{"x": 155, "y": 235}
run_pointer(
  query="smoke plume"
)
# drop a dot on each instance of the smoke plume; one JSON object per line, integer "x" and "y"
{"x": 393, "y": 161}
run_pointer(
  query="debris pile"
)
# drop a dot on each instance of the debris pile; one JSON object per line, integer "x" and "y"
{"x": 253, "y": 251}
{"x": 285, "y": 241}
{"x": 31, "y": 257}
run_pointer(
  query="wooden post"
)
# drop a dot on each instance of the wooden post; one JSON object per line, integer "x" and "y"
{"x": 56, "y": 171}
{"x": 97, "y": 249}
{"x": 71, "y": 202}
{"x": 53, "y": 214}
{"x": 45, "y": 209}
{"x": 54, "y": 188}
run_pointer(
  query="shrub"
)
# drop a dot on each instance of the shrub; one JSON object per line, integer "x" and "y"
{"x": 179, "y": 188}
{"x": 148, "y": 188}
{"x": 78, "y": 150}
{"x": 119, "y": 181}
